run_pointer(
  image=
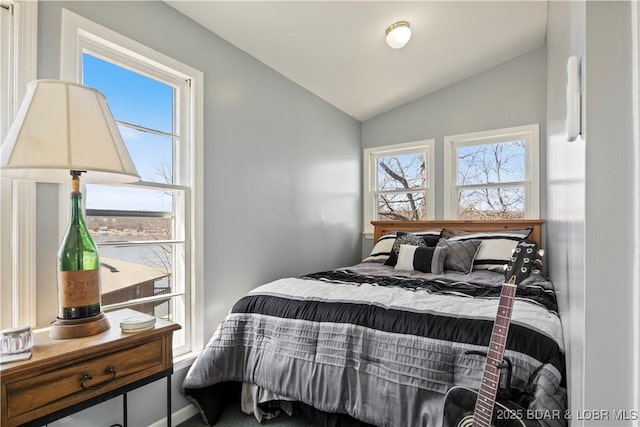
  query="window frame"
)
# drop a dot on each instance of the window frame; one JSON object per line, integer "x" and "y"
{"x": 17, "y": 205}
{"x": 370, "y": 184}
{"x": 81, "y": 35}
{"x": 528, "y": 133}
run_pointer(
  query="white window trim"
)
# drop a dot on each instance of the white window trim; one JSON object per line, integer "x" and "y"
{"x": 18, "y": 197}
{"x": 369, "y": 178}
{"x": 530, "y": 133}
{"x": 75, "y": 30}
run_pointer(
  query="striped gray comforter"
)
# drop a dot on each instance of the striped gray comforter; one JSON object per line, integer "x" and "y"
{"x": 382, "y": 349}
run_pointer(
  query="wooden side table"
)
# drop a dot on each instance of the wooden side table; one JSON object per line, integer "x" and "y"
{"x": 65, "y": 376}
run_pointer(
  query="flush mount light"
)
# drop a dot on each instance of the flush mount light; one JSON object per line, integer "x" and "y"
{"x": 398, "y": 34}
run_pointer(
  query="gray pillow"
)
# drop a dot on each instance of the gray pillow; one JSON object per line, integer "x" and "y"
{"x": 460, "y": 254}
{"x": 437, "y": 263}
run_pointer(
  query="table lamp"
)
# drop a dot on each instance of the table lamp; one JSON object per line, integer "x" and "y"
{"x": 63, "y": 131}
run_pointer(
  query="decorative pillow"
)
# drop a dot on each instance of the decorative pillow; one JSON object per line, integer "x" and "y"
{"x": 460, "y": 254}
{"x": 421, "y": 258}
{"x": 437, "y": 263}
{"x": 382, "y": 249}
{"x": 496, "y": 247}
{"x": 423, "y": 238}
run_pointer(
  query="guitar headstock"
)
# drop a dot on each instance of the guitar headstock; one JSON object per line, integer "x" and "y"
{"x": 521, "y": 261}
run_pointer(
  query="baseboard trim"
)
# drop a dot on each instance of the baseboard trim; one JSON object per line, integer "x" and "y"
{"x": 177, "y": 417}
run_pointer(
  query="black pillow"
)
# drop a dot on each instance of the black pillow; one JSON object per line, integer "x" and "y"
{"x": 420, "y": 258}
{"x": 404, "y": 238}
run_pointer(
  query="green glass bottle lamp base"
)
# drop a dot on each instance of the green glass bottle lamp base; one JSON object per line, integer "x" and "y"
{"x": 79, "y": 313}
{"x": 63, "y": 329}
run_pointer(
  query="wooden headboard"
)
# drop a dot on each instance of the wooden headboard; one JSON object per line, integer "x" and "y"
{"x": 383, "y": 227}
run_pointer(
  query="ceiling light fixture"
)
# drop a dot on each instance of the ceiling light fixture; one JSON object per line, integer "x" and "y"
{"x": 398, "y": 34}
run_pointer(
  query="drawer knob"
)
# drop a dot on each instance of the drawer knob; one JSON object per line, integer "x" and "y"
{"x": 109, "y": 370}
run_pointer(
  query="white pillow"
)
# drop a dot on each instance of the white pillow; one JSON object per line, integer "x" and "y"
{"x": 405, "y": 257}
{"x": 496, "y": 247}
{"x": 382, "y": 249}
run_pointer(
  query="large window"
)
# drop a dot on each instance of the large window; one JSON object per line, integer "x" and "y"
{"x": 399, "y": 183}
{"x": 18, "y": 44}
{"x": 145, "y": 232}
{"x": 6, "y": 45}
{"x": 5, "y": 184}
{"x": 492, "y": 175}
{"x": 140, "y": 230}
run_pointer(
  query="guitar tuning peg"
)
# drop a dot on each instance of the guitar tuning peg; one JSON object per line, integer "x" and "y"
{"x": 541, "y": 253}
{"x": 536, "y": 267}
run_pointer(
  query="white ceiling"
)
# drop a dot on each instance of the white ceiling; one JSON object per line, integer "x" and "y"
{"x": 336, "y": 49}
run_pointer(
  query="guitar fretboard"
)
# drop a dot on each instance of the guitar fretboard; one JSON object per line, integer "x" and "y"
{"x": 491, "y": 378}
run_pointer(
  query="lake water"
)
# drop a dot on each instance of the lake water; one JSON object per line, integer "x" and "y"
{"x": 157, "y": 256}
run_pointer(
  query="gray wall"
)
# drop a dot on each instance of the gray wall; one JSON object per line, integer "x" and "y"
{"x": 511, "y": 94}
{"x": 285, "y": 149}
{"x": 608, "y": 208}
{"x": 566, "y": 188}
{"x": 590, "y": 193}
{"x": 282, "y": 167}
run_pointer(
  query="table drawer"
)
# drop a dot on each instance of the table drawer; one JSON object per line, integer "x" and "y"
{"x": 85, "y": 379}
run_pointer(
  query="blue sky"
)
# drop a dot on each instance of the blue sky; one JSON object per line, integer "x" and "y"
{"x": 139, "y": 100}
{"x": 132, "y": 97}
{"x": 478, "y": 163}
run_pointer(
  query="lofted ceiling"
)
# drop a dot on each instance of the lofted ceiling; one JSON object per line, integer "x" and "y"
{"x": 337, "y": 49}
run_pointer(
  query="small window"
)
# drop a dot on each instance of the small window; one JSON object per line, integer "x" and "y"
{"x": 492, "y": 175}
{"x": 399, "y": 183}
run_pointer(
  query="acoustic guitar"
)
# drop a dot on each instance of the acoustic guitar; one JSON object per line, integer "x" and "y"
{"x": 465, "y": 407}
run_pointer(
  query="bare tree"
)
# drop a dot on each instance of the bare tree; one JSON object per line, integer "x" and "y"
{"x": 490, "y": 179}
{"x": 161, "y": 256}
{"x": 481, "y": 171}
{"x": 395, "y": 175}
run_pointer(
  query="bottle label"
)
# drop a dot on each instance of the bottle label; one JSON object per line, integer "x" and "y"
{"x": 78, "y": 288}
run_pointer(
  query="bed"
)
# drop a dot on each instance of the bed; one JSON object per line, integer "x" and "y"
{"x": 378, "y": 344}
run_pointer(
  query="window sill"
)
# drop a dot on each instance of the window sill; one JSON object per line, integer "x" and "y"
{"x": 184, "y": 361}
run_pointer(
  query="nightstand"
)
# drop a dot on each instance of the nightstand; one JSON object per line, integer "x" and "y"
{"x": 65, "y": 376}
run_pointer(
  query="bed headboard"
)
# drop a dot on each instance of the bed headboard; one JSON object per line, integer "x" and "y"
{"x": 383, "y": 227}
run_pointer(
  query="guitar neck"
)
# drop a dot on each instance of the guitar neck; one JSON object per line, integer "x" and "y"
{"x": 491, "y": 377}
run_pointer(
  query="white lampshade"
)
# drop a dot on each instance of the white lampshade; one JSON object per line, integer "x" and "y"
{"x": 398, "y": 34}
{"x": 63, "y": 126}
